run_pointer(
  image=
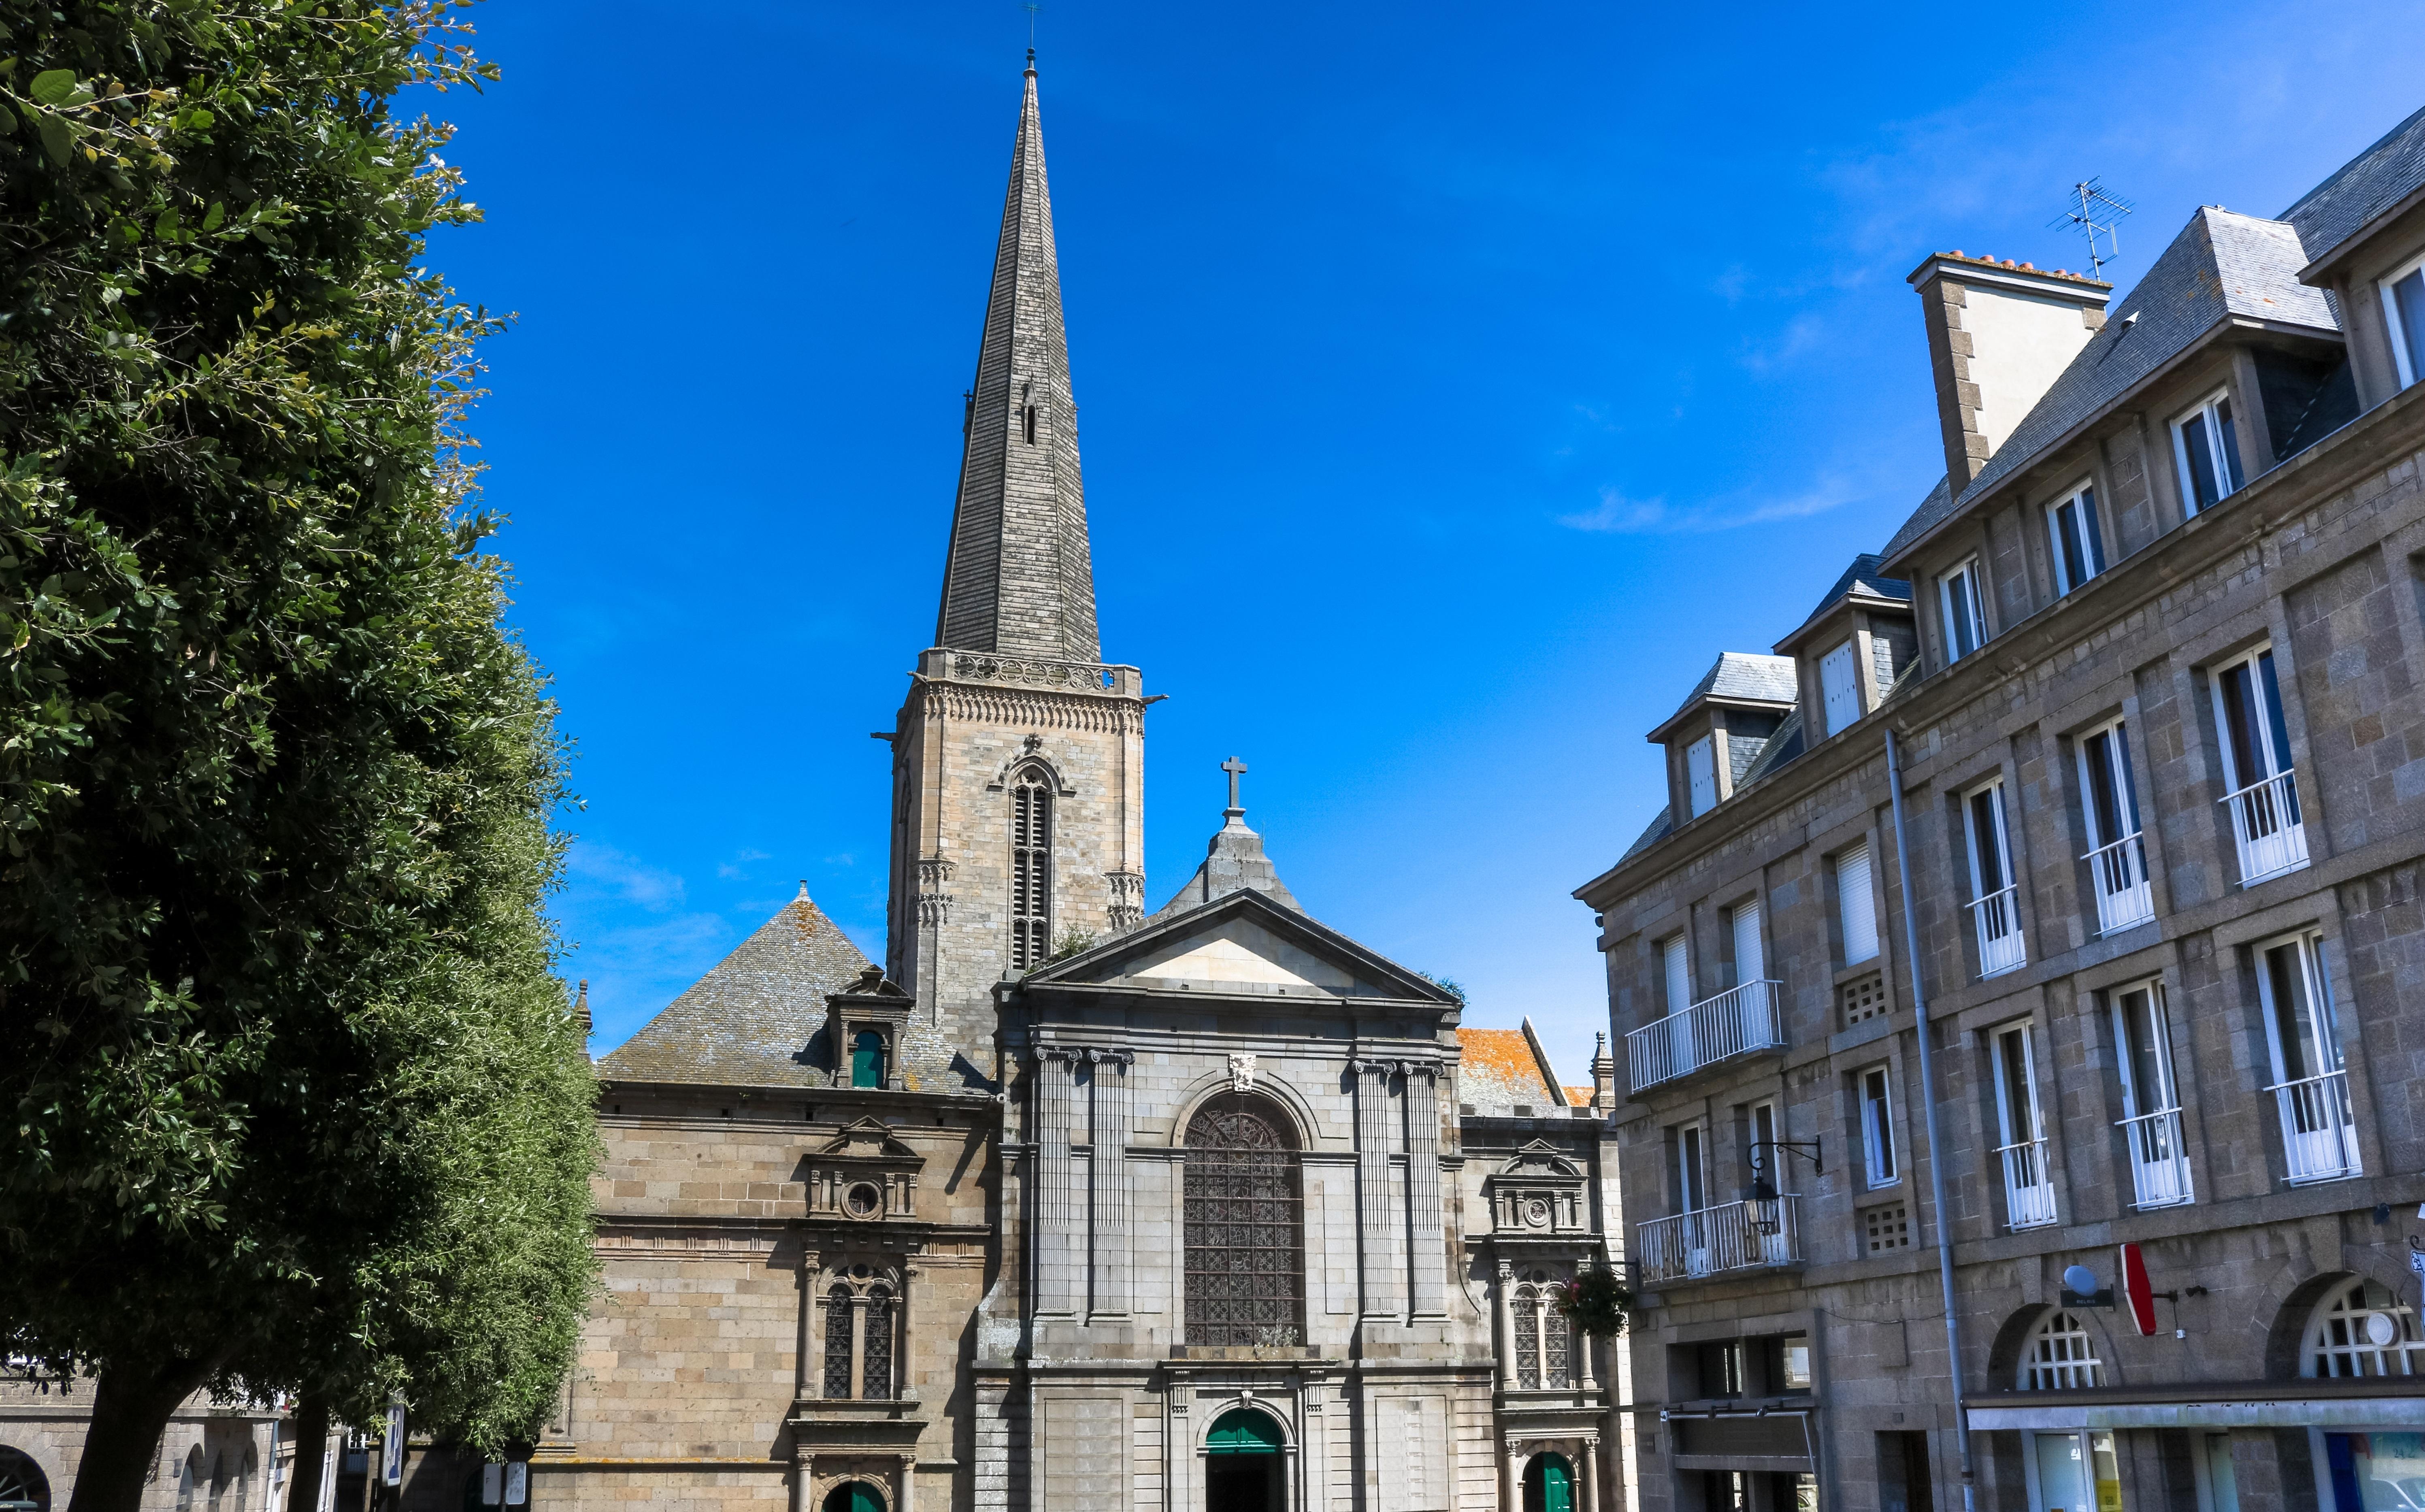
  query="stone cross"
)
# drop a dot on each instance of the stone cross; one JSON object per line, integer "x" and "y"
{"x": 1236, "y": 769}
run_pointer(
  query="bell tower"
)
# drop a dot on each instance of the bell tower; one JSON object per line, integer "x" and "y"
{"x": 1018, "y": 756}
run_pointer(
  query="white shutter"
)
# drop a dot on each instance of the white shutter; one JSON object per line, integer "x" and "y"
{"x": 1701, "y": 771}
{"x": 1858, "y": 904}
{"x": 1836, "y": 681}
{"x": 1679, "y": 976}
{"x": 1749, "y": 966}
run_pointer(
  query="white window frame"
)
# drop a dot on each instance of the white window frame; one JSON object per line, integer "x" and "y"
{"x": 1675, "y": 972}
{"x": 2117, "y": 863}
{"x": 1742, "y": 928}
{"x": 1972, "y": 576}
{"x": 2224, "y": 458}
{"x": 1840, "y": 699}
{"x": 2318, "y": 1127}
{"x": 1881, "y": 1160}
{"x": 2081, "y": 500}
{"x": 2400, "y": 354}
{"x": 2151, "y": 1114}
{"x": 1867, "y": 902}
{"x": 1692, "y": 1168}
{"x": 1996, "y": 911}
{"x": 2265, "y": 810}
{"x": 1701, "y": 774}
{"x": 2025, "y": 1152}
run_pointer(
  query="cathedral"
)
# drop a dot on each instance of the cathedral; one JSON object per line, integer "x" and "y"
{"x": 1070, "y": 1204}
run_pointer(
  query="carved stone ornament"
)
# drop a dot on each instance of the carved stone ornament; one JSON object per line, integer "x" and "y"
{"x": 1242, "y": 1073}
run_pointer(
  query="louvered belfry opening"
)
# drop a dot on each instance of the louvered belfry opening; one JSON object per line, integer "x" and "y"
{"x": 1031, "y": 871}
{"x": 1245, "y": 1226}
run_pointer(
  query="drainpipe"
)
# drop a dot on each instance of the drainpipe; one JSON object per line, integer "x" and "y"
{"x": 1936, "y": 1144}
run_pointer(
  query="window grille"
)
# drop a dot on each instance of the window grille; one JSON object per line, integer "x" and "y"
{"x": 1245, "y": 1264}
{"x": 1031, "y": 871}
{"x": 1885, "y": 1229}
{"x": 1527, "y": 1339}
{"x": 838, "y": 1343}
{"x": 1557, "y": 1348}
{"x": 875, "y": 1365}
{"x": 2363, "y": 1329}
{"x": 2060, "y": 1356}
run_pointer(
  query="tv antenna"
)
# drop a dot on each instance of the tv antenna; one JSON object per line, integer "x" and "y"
{"x": 2095, "y": 213}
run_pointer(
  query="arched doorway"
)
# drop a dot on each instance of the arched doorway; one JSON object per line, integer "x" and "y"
{"x": 23, "y": 1486}
{"x": 1242, "y": 1464}
{"x": 1550, "y": 1485}
{"x": 854, "y": 1496}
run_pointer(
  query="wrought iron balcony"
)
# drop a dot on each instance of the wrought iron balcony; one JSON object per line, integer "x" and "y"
{"x": 2029, "y": 1184}
{"x": 2265, "y": 820}
{"x": 2159, "y": 1165}
{"x": 2119, "y": 872}
{"x": 1998, "y": 918}
{"x": 1757, "y": 1234}
{"x": 1736, "y": 1022}
{"x": 2319, "y": 1133}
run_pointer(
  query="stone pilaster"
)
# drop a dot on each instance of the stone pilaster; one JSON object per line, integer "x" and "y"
{"x": 1427, "y": 1222}
{"x": 1109, "y": 1233}
{"x": 1057, "y": 1235}
{"x": 1376, "y": 1205}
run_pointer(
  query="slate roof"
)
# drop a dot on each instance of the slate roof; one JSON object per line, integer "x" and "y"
{"x": 2363, "y": 188}
{"x": 1660, "y": 827}
{"x": 1863, "y": 574}
{"x": 1233, "y": 862}
{"x": 1748, "y": 675}
{"x": 758, "y": 1017}
{"x": 2223, "y": 264}
{"x": 1782, "y": 747}
{"x": 1499, "y": 1072}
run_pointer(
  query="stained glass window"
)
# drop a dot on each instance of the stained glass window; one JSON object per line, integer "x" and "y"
{"x": 1528, "y": 1338}
{"x": 876, "y": 1369}
{"x": 1246, "y": 1257}
{"x": 838, "y": 1343}
{"x": 1557, "y": 1348}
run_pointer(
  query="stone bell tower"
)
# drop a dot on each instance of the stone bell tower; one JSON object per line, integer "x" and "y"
{"x": 1018, "y": 757}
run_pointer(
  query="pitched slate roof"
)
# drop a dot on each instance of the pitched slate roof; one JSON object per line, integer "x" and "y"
{"x": 1864, "y": 576}
{"x": 2222, "y": 264}
{"x": 2363, "y": 188}
{"x": 1782, "y": 747}
{"x": 1659, "y": 828}
{"x": 1747, "y": 675}
{"x": 1499, "y": 1072}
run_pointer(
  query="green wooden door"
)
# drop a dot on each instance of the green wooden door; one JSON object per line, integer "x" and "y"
{"x": 1549, "y": 1485}
{"x": 867, "y": 1065}
{"x": 857, "y": 1496}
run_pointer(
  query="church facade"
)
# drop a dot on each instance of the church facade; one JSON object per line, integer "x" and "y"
{"x": 1062, "y": 1204}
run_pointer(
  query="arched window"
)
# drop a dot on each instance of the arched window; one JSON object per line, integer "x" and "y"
{"x": 1528, "y": 1338}
{"x": 867, "y": 1058}
{"x": 838, "y": 1343}
{"x": 1245, "y": 1254}
{"x": 875, "y": 1365}
{"x": 2061, "y": 1355}
{"x": 1544, "y": 1335}
{"x": 1031, "y": 870}
{"x": 23, "y": 1486}
{"x": 2362, "y": 1328}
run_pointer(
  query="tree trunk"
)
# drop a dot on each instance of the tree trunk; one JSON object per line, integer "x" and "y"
{"x": 131, "y": 1404}
{"x": 311, "y": 1427}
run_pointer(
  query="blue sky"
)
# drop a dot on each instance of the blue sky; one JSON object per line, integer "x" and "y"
{"x": 1457, "y": 381}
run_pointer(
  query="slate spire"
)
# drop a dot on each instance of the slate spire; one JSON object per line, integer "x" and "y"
{"x": 1019, "y": 580}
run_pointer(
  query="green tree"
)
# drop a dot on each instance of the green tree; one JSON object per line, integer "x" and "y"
{"x": 295, "y": 1101}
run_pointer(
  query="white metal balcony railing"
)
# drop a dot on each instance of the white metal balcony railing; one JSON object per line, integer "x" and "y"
{"x": 1732, "y": 1236}
{"x": 2119, "y": 873}
{"x": 2265, "y": 820}
{"x": 1734, "y": 1023}
{"x": 2159, "y": 1165}
{"x": 2029, "y": 1184}
{"x": 2318, "y": 1132}
{"x": 1998, "y": 918}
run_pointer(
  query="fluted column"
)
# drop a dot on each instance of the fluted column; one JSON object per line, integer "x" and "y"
{"x": 1057, "y": 1239}
{"x": 1427, "y": 1220}
{"x": 1108, "y": 1175}
{"x": 1376, "y": 1209}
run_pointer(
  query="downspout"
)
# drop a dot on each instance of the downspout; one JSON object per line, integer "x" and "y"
{"x": 1936, "y": 1144}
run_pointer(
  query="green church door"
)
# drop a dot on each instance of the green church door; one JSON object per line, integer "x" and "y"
{"x": 856, "y": 1496}
{"x": 1242, "y": 1464}
{"x": 1549, "y": 1485}
{"x": 867, "y": 1066}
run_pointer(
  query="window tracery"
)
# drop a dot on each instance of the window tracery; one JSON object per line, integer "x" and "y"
{"x": 838, "y": 1343}
{"x": 876, "y": 1352}
{"x": 1245, "y": 1223}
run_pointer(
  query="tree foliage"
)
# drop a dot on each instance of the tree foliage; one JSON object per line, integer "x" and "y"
{"x": 295, "y": 1100}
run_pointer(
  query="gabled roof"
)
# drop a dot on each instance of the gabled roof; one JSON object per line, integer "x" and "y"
{"x": 1499, "y": 1071}
{"x": 1243, "y": 943}
{"x": 2222, "y": 264}
{"x": 1739, "y": 677}
{"x": 2363, "y": 188}
{"x": 749, "y": 1020}
{"x": 1864, "y": 578}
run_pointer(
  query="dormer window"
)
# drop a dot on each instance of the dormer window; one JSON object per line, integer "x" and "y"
{"x": 2208, "y": 439}
{"x": 1701, "y": 774}
{"x": 2403, "y": 306}
{"x": 1840, "y": 687}
{"x": 2079, "y": 545}
{"x": 1966, "y": 620}
{"x": 867, "y": 1058}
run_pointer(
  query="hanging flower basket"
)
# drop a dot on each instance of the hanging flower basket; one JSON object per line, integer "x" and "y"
{"x": 1596, "y": 1302}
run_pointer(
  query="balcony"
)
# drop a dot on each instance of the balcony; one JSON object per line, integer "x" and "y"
{"x": 2029, "y": 1184}
{"x": 1757, "y": 1234}
{"x": 2265, "y": 820}
{"x": 1737, "y": 1022}
{"x": 2119, "y": 874}
{"x": 2318, "y": 1132}
{"x": 1998, "y": 918}
{"x": 2159, "y": 1164}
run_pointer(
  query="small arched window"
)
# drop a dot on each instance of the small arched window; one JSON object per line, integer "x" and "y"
{"x": 867, "y": 1058}
{"x": 838, "y": 1343}
{"x": 1031, "y": 870}
{"x": 23, "y": 1487}
{"x": 876, "y": 1364}
{"x": 189, "y": 1478}
{"x": 1528, "y": 1338}
{"x": 2060, "y": 1355}
{"x": 1244, "y": 1226}
{"x": 1544, "y": 1335}
{"x": 2363, "y": 1329}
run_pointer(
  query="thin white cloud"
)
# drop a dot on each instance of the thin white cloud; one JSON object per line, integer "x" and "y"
{"x": 624, "y": 875}
{"x": 1617, "y": 514}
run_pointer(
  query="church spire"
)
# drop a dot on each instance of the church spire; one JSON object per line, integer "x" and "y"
{"x": 1019, "y": 580}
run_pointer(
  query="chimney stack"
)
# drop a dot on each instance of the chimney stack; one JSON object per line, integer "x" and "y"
{"x": 1999, "y": 335}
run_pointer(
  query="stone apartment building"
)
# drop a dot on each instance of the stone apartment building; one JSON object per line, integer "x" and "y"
{"x": 1067, "y": 1206}
{"x": 2138, "y": 973}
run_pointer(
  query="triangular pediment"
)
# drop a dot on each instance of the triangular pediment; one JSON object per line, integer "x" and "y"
{"x": 1540, "y": 1158}
{"x": 867, "y": 1138}
{"x": 1243, "y": 942}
